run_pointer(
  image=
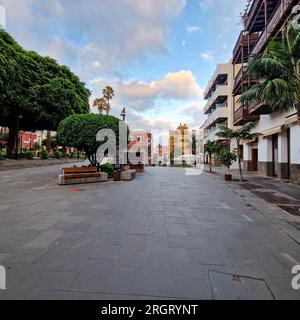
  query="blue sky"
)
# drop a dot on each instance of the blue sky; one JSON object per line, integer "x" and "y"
{"x": 158, "y": 55}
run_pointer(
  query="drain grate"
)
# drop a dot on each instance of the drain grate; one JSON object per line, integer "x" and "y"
{"x": 294, "y": 210}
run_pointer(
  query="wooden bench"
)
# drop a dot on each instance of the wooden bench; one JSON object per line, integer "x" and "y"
{"x": 81, "y": 175}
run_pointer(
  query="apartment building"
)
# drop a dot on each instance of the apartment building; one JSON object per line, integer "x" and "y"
{"x": 219, "y": 102}
{"x": 140, "y": 147}
{"x": 180, "y": 142}
{"x": 277, "y": 151}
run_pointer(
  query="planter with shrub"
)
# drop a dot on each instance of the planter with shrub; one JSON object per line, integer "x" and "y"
{"x": 29, "y": 155}
{"x": 227, "y": 158}
{"x": 2, "y": 155}
{"x": 44, "y": 155}
{"x": 109, "y": 169}
{"x": 57, "y": 155}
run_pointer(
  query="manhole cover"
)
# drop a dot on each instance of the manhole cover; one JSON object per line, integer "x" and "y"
{"x": 235, "y": 287}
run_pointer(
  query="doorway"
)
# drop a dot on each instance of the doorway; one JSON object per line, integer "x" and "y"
{"x": 275, "y": 155}
{"x": 254, "y": 162}
{"x": 288, "y": 133}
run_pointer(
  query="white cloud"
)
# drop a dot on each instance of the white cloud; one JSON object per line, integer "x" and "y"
{"x": 104, "y": 34}
{"x": 193, "y": 29}
{"x": 179, "y": 85}
{"x": 191, "y": 108}
{"x": 207, "y": 56}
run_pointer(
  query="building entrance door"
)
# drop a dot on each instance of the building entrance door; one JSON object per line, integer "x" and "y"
{"x": 254, "y": 160}
{"x": 288, "y": 132}
{"x": 275, "y": 155}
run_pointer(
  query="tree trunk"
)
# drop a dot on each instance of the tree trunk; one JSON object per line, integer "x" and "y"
{"x": 12, "y": 139}
{"x": 48, "y": 146}
{"x": 240, "y": 169}
{"x": 210, "y": 164}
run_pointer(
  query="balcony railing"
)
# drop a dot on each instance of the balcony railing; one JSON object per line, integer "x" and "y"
{"x": 221, "y": 90}
{"x": 246, "y": 41}
{"x": 272, "y": 26}
{"x": 219, "y": 115}
{"x": 241, "y": 116}
{"x": 241, "y": 74}
{"x": 259, "y": 108}
{"x": 253, "y": 9}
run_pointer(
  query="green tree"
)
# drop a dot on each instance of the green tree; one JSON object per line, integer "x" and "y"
{"x": 108, "y": 94}
{"x": 278, "y": 74}
{"x": 80, "y": 132}
{"x": 227, "y": 158}
{"x": 101, "y": 105}
{"x": 238, "y": 136}
{"x": 35, "y": 92}
{"x": 211, "y": 148}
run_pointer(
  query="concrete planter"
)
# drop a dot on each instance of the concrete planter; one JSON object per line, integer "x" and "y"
{"x": 117, "y": 176}
{"x": 139, "y": 168}
{"x": 228, "y": 177}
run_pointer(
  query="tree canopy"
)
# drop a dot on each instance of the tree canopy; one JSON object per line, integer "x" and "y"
{"x": 278, "y": 73}
{"x": 80, "y": 132}
{"x": 36, "y": 93}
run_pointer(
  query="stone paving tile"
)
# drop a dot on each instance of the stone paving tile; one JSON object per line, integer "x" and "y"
{"x": 175, "y": 238}
{"x": 45, "y": 239}
{"x": 56, "y": 280}
{"x": 41, "y": 294}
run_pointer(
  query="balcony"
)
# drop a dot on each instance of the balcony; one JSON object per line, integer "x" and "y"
{"x": 277, "y": 18}
{"x": 242, "y": 80}
{"x": 219, "y": 78}
{"x": 244, "y": 46}
{"x": 259, "y": 109}
{"x": 241, "y": 116}
{"x": 218, "y": 116}
{"x": 219, "y": 96}
{"x": 257, "y": 15}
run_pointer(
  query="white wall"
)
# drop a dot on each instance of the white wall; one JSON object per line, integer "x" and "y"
{"x": 265, "y": 149}
{"x": 295, "y": 144}
{"x": 283, "y": 147}
{"x": 2, "y": 17}
{"x": 271, "y": 121}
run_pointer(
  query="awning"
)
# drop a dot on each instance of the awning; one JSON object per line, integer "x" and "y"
{"x": 248, "y": 141}
{"x": 272, "y": 131}
{"x": 291, "y": 120}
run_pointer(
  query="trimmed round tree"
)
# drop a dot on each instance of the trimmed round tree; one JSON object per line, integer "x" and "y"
{"x": 80, "y": 132}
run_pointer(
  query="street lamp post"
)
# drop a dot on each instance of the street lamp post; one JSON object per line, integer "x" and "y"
{"x": 123, "y": 115}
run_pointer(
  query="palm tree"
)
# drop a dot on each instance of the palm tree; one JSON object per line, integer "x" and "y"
{"x": 100, "y": 103}
{"x": 278, "y": 74}
{"x": 211, "y": 148}
{"x": 238, "y": 136}
{"x": 108, "y": 94}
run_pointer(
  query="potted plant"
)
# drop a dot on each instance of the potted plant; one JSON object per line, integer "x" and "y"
{"x": 117, "y": 175}
{"x": 227, "y": 158}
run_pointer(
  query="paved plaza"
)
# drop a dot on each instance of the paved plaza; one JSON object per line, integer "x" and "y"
{"x": 165, "y": 235}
